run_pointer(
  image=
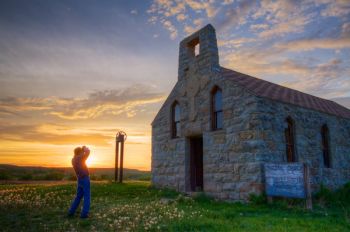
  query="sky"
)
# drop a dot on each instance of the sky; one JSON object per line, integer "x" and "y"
{"x": 74, "y": 72}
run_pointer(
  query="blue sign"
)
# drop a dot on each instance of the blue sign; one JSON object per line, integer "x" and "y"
{"x": 285, "y": 180}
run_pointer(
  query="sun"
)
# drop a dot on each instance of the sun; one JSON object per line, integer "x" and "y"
{"x": 90, "y": 161}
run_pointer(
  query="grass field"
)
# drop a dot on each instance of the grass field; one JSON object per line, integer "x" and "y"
{"x": 134, "y": 206}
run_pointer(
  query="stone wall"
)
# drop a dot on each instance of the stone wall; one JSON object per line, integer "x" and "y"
{"x": 308, "y": 140}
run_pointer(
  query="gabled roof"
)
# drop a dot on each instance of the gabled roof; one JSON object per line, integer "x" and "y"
{"x": 276, "y": 92}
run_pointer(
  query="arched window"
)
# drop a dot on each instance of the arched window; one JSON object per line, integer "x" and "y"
{"x": 325, "y": 146}
{"x": 216, "y": 109}
{"x": 175, "y": 120}
{"x": 290, "y": 135}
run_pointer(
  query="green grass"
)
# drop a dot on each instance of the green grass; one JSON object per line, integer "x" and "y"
{"x": 135, "y": 206}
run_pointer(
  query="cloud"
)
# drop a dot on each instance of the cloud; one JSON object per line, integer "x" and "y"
{"x": 328, "y": 79}
{"x": 177, "y": 9}
{"x": 59, "y": 65}
{"x": 256, "y": 27}
{"x": 259, "y": 65}
{"x": 17, "y": 104}
{"x": 181, "y": 17}
{"x": 153, "y": 19}
{"x": 189, "y": 29}
{"x": 134, "y": 12}
{"x": 345, "y": 101}
{"x": 171, "y": 28}
{"x": 208, "y": 6}
{"x": 325, "y": 79}
{"x": 294, "y": 24}
{"x": 236, "y": 15}
{"x": 346, "y": 30}
{"x": 36, "y": 134}
{"x": 335, "y": 8}
{"x": 97, "y": 104}
{"x": 227, "y": 2}
{"x": 168, "y": 12}
{"x": 311, "y": 44}
{"x": 55, "y": 134}
{"x": 282, "y": 17}
{"x": 198, "y": 23}
{"x": 267, "y": 18}
{"x": 236, "y": 43}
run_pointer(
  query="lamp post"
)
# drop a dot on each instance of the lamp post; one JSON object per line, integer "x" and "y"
{"x": 119, "y": 138}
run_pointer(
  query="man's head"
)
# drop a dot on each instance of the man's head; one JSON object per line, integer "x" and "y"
{"x": 78, "y": 151}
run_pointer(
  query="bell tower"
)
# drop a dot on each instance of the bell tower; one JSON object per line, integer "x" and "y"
{"x": 199, "y": 50}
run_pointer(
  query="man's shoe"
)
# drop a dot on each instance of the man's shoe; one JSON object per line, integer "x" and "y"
{"x": 84, "y": 216}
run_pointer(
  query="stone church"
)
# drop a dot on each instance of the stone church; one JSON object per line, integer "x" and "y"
{"x": 218, "y": 127}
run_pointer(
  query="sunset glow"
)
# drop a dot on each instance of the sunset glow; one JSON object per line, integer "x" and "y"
{"x": 73, "y": 73}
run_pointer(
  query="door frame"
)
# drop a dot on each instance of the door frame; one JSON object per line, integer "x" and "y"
{"x": 194, "y": 164}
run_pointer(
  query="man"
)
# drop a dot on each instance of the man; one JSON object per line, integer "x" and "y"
{"x": 83, "y": 186}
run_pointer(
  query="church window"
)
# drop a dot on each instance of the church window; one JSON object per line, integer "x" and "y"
{"x": 325, "y": 146}
{"x": 175, "y": 120}
{"x": 216, "y": 109}
{"x": 290, "y": 137}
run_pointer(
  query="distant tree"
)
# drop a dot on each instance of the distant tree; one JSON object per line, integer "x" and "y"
{"x": 4, "y": 175}
{"x": 105, "y": 177}
{"x": 27, "y": 176}
{"x": 54, "y": 176}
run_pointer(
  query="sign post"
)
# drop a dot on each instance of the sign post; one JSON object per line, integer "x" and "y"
{"x": 307, "y": 187}
{"x": 119, "y": 138}
{"x": 288, "y": 180}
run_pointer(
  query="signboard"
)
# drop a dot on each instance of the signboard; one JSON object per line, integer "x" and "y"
{"x": 285, "y": 180}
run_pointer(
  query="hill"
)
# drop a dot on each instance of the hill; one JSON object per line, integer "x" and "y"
{"x": 13, "y": 172}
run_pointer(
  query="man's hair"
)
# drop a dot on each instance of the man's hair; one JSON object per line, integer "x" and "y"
{"x": 77, "y": 151}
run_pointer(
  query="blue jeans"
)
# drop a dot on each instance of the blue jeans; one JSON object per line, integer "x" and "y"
{"x": 83, "y": 190}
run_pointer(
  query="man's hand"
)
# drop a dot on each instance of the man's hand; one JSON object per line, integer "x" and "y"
{"x": 86, "y": 151}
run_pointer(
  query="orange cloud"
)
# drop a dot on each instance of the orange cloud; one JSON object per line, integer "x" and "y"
{"x": 99, "y": 103}
{"x": 310, "y": 44}
{"x": 35, "y": 133}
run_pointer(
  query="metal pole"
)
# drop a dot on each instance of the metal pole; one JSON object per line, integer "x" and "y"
{"x": 121, "y": 159}
{"x": 116, "y": 160}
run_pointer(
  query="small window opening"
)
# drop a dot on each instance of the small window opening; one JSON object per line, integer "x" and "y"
{"x": 196, "y": 50}
{"x": 194, "y": 47}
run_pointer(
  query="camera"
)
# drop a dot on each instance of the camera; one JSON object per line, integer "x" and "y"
{"x": 85, "y": 149}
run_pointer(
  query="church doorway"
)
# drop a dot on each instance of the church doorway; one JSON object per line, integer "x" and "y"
{"x": 196, "y": 164}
